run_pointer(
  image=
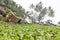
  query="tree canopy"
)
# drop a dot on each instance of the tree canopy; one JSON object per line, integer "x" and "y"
{"x": 13, "y": 6}
{"x": 42, "y": 11}
{"x": 20, "y": 11}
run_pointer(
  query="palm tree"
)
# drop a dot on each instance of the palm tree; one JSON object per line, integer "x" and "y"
{"x": 42, "y": 11}
{"x": 32, "y": 6}
{"x": 50, "y": 12}
{"x": 42, "y": 14}
{"x": 38, "y": 7}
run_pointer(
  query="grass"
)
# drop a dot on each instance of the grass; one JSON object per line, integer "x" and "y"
{"x": 14, "y": 31}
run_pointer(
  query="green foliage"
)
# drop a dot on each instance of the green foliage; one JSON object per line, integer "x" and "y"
{"x": 13, "y": 7}
{"x": 4, "y": 19}
{"x": 8, "y": 10}
{"x": 10, "y": 31}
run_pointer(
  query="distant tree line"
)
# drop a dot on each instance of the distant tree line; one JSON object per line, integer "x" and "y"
{"x": 42, "y": 11}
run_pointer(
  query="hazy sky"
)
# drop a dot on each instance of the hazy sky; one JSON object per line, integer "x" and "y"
{"x": 53, "y": 3}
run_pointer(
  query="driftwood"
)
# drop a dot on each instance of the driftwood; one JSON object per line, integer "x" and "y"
{"x": 12, "y": 18}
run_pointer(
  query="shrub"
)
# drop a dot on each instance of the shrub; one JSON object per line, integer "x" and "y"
{"x": 4, "y": 19}
{"x": 7, "y": 10}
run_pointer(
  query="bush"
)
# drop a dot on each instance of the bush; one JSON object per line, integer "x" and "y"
{"x": 4, "y": 19}
{"x": 7, "y": 10}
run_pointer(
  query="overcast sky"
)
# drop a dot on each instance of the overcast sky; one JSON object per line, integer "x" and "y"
{"x": 53, "y": 3}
